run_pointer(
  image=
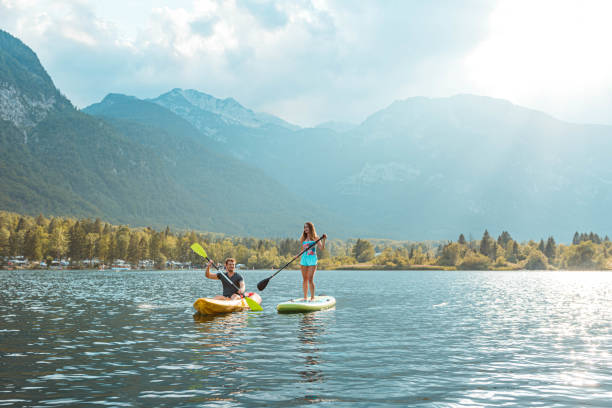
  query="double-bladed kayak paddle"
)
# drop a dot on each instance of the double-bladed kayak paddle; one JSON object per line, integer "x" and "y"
{"x": 253, "y": 305}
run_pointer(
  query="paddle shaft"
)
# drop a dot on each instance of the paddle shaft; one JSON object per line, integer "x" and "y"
{"x": 228, "y": 280}
{"x": 296, "y": 257}
{"x": 253, "y": 305}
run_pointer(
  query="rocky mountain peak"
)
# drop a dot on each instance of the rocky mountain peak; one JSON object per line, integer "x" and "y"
{"x": 27, "y": 93}
{"x": 192, "y": 104}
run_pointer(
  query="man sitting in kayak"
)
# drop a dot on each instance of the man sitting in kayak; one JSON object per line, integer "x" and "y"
{"x": 229, "y": 292}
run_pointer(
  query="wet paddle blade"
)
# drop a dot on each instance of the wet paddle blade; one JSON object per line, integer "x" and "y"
{"x": 197, "y": 248}
{"x": 256, "y": 307}
{"x": 262, "y": 284}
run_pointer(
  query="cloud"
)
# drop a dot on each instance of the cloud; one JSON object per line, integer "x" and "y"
{"x": 266, "y": 12}
{"x": 308, "y": 61}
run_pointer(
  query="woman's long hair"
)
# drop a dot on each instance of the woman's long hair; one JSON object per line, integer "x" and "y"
{"x": 313, "y": 232}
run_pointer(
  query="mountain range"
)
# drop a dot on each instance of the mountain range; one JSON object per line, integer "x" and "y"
{"x": 59, "y": 161}
{"x": 422, "y": 168}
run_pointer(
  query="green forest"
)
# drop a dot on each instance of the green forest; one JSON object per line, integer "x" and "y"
{"x": 92, "y": 243}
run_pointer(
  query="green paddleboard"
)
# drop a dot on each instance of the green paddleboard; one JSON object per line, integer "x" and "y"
{"x": 302, "y": 306}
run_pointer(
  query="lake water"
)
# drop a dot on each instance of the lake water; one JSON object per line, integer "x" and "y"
{"x": 102, "y": 338}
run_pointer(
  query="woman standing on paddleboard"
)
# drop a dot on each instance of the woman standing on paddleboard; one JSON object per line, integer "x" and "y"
{"x": 308, "y": 262}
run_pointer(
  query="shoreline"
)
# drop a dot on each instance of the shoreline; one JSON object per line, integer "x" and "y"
{"x": 355, "y": 267}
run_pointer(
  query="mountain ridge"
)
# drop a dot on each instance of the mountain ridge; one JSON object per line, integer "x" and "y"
{"x": 424, "y": 168}
{"x": 154, "y": 174}
{"x": 228, "y": 110}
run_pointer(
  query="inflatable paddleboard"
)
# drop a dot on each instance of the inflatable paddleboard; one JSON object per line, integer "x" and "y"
{"x": 214, "y": 306}
{"x": 302, "y": 306}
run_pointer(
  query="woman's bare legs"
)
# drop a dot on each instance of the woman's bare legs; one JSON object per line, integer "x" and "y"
{"x": 304, "y": 280}
{"x": 311, "y": 272}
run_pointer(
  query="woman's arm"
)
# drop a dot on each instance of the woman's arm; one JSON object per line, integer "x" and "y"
{"x": 321, "y": 243}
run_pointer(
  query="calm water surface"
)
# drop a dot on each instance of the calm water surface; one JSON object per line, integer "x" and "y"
{"x": 88, "y": 338}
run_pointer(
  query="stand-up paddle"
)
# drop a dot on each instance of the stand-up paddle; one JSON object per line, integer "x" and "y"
{"x": 253, "y": 305}
{"x": 262, "y": 284}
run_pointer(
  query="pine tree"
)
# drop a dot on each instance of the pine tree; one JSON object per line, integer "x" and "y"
{"x": 486, "y": 244}
{"x": 33, "y": 245}
{"x": 133, "y": 255}
{"x": 90, "y": 244}
{"x": 112, "y": 248}
{"x": 551, "y": 248}
{"x": 504, "y": 238}
{"x": 98, "y": 228}
{"x": 58, "y": 243}
{"x": 541, "y": 246}
{"x": 143, "y": 248}
{"x": 363, "y": 250}
{"x": 16, "y": 241}
{"x": 461, "y": 240}
{"x": 76, "y": 242}
{"x": 155, "y": 246}
{"x": 515, "y": 251}
{"x": 55, "y": 223}
{"x": 22, "y": 225}
{"x": 122, "y": 241}
{"x": 40, "y": 220}
{"x": 102, "y": 249}
{"x": 4, "y": 241}
{"x": 576, "y": 239}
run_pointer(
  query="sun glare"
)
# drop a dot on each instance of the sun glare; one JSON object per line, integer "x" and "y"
{"x": 547, "y": 47}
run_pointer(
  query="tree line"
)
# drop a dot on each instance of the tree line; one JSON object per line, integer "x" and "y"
{"x": 45, "y": 239}
{"x": 587, "y": 251}
{"x": 41, "y": 238}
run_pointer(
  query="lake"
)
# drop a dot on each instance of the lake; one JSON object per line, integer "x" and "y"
{"x": 436, "y": 338}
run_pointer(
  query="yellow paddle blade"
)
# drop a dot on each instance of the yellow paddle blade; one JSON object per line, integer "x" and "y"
{"x": 253, "y": 305}
{"x": 197, "y": 248}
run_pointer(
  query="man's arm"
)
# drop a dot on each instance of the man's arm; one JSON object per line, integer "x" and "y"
{"x": 242, "y": 287}
{"x": 208, "y": 274}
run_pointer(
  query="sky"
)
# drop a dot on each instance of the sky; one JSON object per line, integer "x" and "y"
{"x": 313, "y": 61}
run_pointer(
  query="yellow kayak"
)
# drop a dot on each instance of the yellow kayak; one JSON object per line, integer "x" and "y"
{"x": 214, "y": 306}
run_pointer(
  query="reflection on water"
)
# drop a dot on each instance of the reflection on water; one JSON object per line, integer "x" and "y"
{"x": 223, "y": 340}
{"x": 220, "y": 322}
{"x": 442, "y": 339}
{"x": 311, "y": 327}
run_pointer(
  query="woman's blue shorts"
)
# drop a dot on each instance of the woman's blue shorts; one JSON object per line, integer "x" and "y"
{"x": 308, "y": 260}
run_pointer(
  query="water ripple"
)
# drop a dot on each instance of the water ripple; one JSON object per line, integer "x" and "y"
{"x": 394, "y": 338}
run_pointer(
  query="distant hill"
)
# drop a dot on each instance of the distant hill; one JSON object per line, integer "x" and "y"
{"x": 241, "y": 196}
{"x": 431, "y": 168}
{"x": 142, "y": 166}
{"x": 468, "y": 162}
{"x": 337, "y": 126}
{"x": 422, "y": 168}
